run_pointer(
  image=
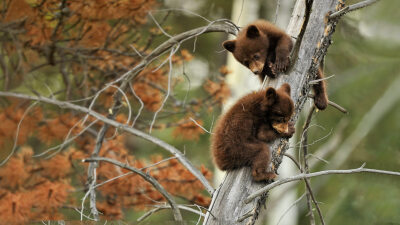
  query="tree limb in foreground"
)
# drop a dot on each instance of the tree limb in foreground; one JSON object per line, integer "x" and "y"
{"x": 320, "y": 173}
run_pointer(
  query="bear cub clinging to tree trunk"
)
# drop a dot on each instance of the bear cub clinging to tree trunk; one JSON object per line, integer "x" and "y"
{"x": 265, "y": 50}
{"x": 241, "y": 134}
{"x": 262, "y": 47}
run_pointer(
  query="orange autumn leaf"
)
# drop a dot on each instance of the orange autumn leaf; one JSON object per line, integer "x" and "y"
{"x": 110, "y": 210}
{"x": 14, "y": 173}
{"x": 58, "y": 128}
{"x": 51, "y": 195}
{"x": 56, "y": 167}
{"x": 13, "y": 116}
{"x": 95, "y": 35}
{"x": 18, "y": 9}
{"x": 151, "y": 97}
{"x": 219, "y": 91}
{"x": 223, "y": 70}
{"x": 15, "y": 208}
{"x": 186, "y": 55}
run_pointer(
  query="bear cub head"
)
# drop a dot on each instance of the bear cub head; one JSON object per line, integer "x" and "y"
{"x": 279, "y": 107}
{"x": 246, "y": 48}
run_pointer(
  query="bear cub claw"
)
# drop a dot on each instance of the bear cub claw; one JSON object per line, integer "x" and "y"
{"x": 279, "y": 66}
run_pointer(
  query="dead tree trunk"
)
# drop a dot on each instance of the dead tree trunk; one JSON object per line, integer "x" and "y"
{"x": 307, "y": 26}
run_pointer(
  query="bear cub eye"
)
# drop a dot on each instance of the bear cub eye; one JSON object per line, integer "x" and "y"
{"x": 246, "y": 63}
{"x": 256, "y": 57}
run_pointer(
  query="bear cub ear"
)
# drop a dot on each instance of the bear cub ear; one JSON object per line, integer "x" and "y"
{"x": 271, "y": 95}
{"x": 252, "y": 32}
{"x": 286, "y": 87}
{"x": 229, "y": 45}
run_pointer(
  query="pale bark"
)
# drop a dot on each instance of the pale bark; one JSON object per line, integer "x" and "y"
{"x": 228, "y": 205}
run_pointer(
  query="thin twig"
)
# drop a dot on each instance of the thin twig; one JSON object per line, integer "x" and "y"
{"x": 66, "y": 141}
{"x": 247, "y": 215}
{"x": 319, "y": 80}
{"x": 136, "y": 51}
{"x": 333, "y": 104}
{"x": 17, "y": 133}
{"x": 278, "y": 4}
{"x": 304, "y": 147}
{"x": 197, "y": 124}
{"x": 161, "y": 207}
{"x": 290, "y": 207}
{"x": 141, "y": 104}
{"x": 320, "y": 173}
{"x": 182, "y": 10}
{"x": 158, "y": 25}
{"x": 308, "y": 185}
{"x": 338, "y": 107}
{"x": 241, "y": 11}
{"x": 148, "y": 178}
{"x": 173, "y": 51}
{"x": 350, "y": 8}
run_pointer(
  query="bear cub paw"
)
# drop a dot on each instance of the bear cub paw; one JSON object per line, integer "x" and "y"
{"x": 291, "y": 130}
{"x": 262, "y": 174}
{"x": 281, "y": 64}
{"x": 321, "y": 101}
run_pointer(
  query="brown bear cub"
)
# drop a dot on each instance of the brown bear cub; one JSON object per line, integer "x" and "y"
{"x": 241, "y": 134}
{"x": 265, "y": 50}
{"x": 262, "y": 47}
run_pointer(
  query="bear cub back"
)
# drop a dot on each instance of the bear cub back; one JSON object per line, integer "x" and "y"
{"x": 241, "y": 134}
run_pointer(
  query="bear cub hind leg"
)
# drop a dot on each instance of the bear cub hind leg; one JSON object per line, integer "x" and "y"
{"x": 320, "y": 96}
{"x": 261, "y": 166}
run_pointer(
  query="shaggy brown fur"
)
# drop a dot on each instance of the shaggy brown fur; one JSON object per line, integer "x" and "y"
{"x": 320, "y": 96}
{"x": 241, "y": 134}
{"x": 262, "y": 47}
{"x": 265, "y": 49}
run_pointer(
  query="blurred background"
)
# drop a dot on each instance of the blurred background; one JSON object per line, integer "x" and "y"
{"x": 364, "y": 62}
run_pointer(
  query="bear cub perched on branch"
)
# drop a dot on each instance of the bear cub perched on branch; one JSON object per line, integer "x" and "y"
{"x": 241, "y": 134}
{"x": 265, "y": 50}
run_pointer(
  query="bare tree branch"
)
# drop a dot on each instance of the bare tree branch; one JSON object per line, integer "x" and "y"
{"x": 301, "y": 176}
{"x": 161, "y": 207}
{"x": 180, "y": 156}
{"x": 148, "y": 178}
{"x": 350, "y": 8}
{"x": 337, "y": 106}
